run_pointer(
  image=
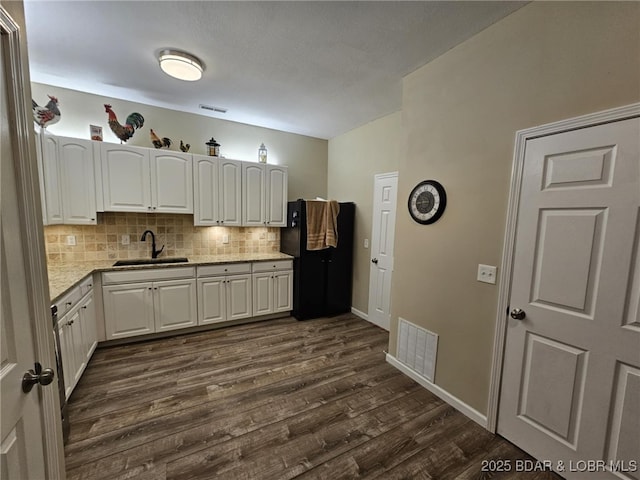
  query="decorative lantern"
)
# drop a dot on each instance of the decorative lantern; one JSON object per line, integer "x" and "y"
{"x": 262, "y": 153}
{"x": 213, "y": 147}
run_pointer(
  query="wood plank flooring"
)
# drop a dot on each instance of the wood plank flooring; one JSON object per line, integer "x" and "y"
{"x": 279, "y": 399}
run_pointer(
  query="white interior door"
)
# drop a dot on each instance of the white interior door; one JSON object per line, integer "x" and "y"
{"x": 571, "y": 376}
{"x": 385, "y": 191}
{"x": 21, "y": 444}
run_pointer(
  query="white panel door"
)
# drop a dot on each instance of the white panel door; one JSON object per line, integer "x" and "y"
{"x": 276, "y": 196}
{"x": 89, "y": 327}
{"x": 212, "y": 300}
{"x": 253, "y": 194}
{"x": 382, "y": 238}
{"x": 51, "y": 171}
{"x": 571, "y": 380}
{"x": 283, "y": 291}
{"x": 205, "y": 190}
{"x": 175, "y": 304}
{"x": 171, "y": 182}
{"x": 238, "y": 293}
{"x": 77, "y": 181}
{"x": 126, "y": 178}
{"x": 128, "y": 309}
{"x": 262, "y": 293}
{"x": 230, "y": 187}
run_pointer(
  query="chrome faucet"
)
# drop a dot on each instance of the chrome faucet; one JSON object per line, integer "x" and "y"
{"x": 154, "y": 252}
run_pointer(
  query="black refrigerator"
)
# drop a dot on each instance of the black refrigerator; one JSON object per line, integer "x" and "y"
{"x": 322, "y": 279}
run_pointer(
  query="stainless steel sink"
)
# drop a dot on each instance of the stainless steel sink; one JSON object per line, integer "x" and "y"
{"x": 150, "y": 261}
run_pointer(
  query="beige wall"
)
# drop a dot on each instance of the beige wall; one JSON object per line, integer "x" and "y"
{"x": 354, "y": 158}
{"x": 306, "y": 157}
{"x": 546, "y": 62}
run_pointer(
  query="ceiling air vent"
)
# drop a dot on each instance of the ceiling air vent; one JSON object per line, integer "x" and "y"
{"x": 213, "y": 109}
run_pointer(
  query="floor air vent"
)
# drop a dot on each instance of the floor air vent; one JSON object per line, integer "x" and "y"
{"x": 417, "y": 349}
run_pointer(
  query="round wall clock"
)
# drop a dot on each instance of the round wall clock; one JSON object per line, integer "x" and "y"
{"x": 427, "y": 202}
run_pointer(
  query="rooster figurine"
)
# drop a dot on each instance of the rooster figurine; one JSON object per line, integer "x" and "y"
{"x": 184, "y": 146}
{"x": 159, "y": 142}
{"x": 47, "y": 115}
{"x": 124, "y": 132}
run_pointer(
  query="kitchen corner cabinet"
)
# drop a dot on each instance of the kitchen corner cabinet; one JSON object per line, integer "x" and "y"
{"x": 272, "y": 287}
{"x": 139, "y": 179}
{"x": 217, "y": 186}
{"x": 140, "y": 302}
{"x": 224, "y": 293}
{"x": 78, "y": 334}
{"x": 264, "y": 190}
{"x": 68, "y": 185}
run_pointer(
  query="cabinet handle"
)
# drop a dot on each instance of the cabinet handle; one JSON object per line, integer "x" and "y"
{"x": 154, "y": 208}
{"x": 68, "y": 304}
{"x": 90, "y": 285}
{"x": 93, "y": 219}
{"x": 84, "y": 307}
{"x": 150, "y": 288}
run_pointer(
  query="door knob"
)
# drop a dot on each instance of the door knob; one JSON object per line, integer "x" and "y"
{"x": 43, "y": 377}
{"x": 518, "y": 314}
{"x": 375, "y": 260}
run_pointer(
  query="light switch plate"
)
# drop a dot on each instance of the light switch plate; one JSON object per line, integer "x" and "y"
{"x": 487, "y": 273}
{"x": 366, "y": 243}
{"x": 71, "y": 239}
{"x": 225, "y": 238}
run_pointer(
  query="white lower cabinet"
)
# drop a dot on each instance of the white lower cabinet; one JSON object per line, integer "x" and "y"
{"x": 224, "y": 293}
{"x": 272, "y": 287}
{"x": 139, "y": 302}
{"x": 78, "y": 340}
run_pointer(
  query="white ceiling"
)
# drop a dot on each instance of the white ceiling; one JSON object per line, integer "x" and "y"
{"x": 312, "y": 68}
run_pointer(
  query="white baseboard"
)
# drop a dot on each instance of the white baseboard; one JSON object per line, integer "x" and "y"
{"x": 455, "y": 402}
{"x": 360, "y": 314}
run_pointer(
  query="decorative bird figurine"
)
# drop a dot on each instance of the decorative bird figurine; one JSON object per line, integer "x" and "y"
{"x": 184, "y": 146}
{"x": 47, "y": 115}
{"x": 124, "y": 132}
{"x": 159, "y": 142}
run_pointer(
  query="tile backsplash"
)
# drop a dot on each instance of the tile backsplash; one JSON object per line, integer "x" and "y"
{"x": 176, "y": 231}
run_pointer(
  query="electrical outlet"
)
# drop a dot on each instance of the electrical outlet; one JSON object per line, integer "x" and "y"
{"x": 271, "y": 237}
{"x": 125, "y": 240}
{"x": 262, "y": 236}
{"x": 487, "y": 273}
{"x": 71, "y": 239}
{"x": 225, "y": 238}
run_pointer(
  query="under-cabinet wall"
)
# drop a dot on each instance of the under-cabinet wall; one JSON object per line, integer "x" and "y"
{"x": 177, "y": 232}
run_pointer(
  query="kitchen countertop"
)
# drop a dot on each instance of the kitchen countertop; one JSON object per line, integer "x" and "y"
{"x": 64, "y": 277}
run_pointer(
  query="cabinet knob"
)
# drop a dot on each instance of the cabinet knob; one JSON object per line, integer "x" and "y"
{"x": 154, "y": 208}
{"x": 68, "y": 304}
{"x": 84, "y": 307}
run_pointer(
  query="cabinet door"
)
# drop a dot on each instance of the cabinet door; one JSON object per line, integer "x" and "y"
{"x": 283, "y": 291}
{"x": 66, "y": 354}
{"x": 51, "y": 173}
{"x": 126, "y": 178}
{"x": 238, "y": 293}
{"x": 89, "y": 327}
{"x": 230, "y": 192}
{"x": 205, "y": 190}
{"x": 276, "y": 196}
{"x": 128, "y": 310}
{"x": 262, "y": 293}
{"x": 212, "y": 300}
{"x": 175, "y": 304}
{"x": 171, "y": 182}
{"x": 253, "y": 193}
{"x": 79, "y": 358}
{"x": 77, "y": 181}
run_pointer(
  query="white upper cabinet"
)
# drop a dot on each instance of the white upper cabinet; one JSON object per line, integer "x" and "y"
{"x": 67, "y": 183}
{"x": 217, "y": 184}
{"x": 138, "y": 179}
{"x": 264, "y": 190}
{"x": 77, "y": 180}
{"x": 126, "y": 178}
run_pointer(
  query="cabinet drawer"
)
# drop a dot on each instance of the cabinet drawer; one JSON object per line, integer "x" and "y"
{"x": 224, "y": 269}
{"x": 86, "y": 285}
{"x": 149, "y": 275}
{"x": 272, "y": 266}
{"x": 67, "y": 302}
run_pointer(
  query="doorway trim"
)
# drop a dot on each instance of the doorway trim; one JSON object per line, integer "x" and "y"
{"x": 504, "y": 291}
{"x": 27, "y": 186}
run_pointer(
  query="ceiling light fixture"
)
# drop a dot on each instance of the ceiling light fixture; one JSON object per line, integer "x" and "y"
{"x": 180, "y": 65}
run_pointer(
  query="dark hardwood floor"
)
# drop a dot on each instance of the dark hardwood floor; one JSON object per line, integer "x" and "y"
{"x": 278, "y": 399}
